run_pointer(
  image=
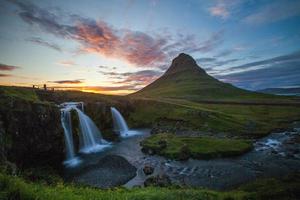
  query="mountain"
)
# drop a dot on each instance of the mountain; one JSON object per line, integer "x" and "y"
{"x": 186, "y": 80}
{"x": 282, "y": 91}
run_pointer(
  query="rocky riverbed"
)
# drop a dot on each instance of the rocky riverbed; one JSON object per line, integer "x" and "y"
{"x": 276, "y": 155}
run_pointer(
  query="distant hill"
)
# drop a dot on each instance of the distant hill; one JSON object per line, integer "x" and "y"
{"x": 282, "y": 91}
{"x": 186, "y": 80}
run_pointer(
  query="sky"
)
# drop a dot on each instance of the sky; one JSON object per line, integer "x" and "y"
{"x": 120, "y": 46}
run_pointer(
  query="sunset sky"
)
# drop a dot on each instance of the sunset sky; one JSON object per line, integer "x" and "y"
{"x": 119, "y": 46}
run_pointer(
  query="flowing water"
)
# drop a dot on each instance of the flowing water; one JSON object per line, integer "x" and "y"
{"x": 90, "y": 138}
{"x": 120, "y": 125}
{"x": 275, "y": 155}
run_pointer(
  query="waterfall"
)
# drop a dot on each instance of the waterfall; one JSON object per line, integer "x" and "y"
{"x": 71, "y": 160}
{"x": 120, "y": 125}
{"x": 90, "y": 138}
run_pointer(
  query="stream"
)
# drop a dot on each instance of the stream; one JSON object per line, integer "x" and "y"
{"x": 278, "y": 154}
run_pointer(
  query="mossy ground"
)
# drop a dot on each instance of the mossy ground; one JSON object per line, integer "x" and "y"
{"x": 195, "y": 147}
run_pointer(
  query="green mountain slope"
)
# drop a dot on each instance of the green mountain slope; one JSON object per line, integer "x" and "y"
{"x": 186, "y": 80}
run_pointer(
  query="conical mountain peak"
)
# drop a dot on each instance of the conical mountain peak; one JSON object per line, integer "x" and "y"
{"x": 183, "y": 62}
{"x": 186, "y": 80}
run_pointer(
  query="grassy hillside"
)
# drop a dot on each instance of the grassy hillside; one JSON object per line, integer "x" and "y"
{"x": 231, "y": 119}
{"x": 190, "y": 98}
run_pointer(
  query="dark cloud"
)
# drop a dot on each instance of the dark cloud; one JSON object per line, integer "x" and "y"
{"x": 226, "y": 52}
{"x": 274, "y": 74}
{"x": 138, "y": 48}
{"x": 42, "y": 42}
{"x": 139, "y": 78}
{"x": 4, "y": 67}
{"x": 214, "y": 62}
{"x": 206, "y": 60}
{"x": 267, "y": 62}
{"x": 77, "y": 81}
{"x": 5, "y": 75}
{"x": 107, "y": 67}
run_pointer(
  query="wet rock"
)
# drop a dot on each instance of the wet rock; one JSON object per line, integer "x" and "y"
{"x": 148, "y": 170}
{"x": 148, "y": 151}
{"x": 160, "y": 181}
{"x": 110, "y": 171}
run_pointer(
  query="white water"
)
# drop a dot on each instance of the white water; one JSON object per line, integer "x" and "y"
{"x": 120, "y": 125}
{"x": 90, "y": 138}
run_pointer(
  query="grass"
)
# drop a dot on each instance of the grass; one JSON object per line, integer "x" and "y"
{"x": 237, "y": 120}
{"x": 17, "y": 188}
{"x": 12, "y": 187}
{"x": 27, "y": 94}
{"x": 179, "y": 147}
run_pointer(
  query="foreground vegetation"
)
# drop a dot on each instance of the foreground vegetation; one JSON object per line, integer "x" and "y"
{"x": 17, "y": 188}
{"x": 179, "y": 147}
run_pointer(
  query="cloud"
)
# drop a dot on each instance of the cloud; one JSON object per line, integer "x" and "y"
{"x": 275, "y": 72}
{"x": 5, "y": 75}
{"x": 135, "y": 47}
{"x": 111, "y": 88}
{"x": 139, "y": 78}
{"x": 224, "y": 9}
{"x": 206, "y": 60}
{"x": 276, "y": 11}
{"x": 4, "y": 67}
{"x": 210, "y": 62}
{"x": 77, "y": 81}
{"x": 67, "y": 63}
{"x": 42, "y": 42}
{"x": 266, "y": 62}
{"x": 219, "y": 10}
{"x": 102, "y": 89}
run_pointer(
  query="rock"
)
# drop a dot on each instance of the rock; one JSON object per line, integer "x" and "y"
{"x": 32, "y": 133}
{"x": 184, "y": 153}
{"x": 148, "y": 170}
{"x": 110, "y": 171}
{"x": 160, "y": 181}
{"x": 147, "y": 151}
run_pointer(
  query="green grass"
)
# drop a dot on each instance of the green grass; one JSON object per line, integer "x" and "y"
{"x": 16, "y": 188}
{"x": 27, "y": 94}
{"x": 237, "y": 120}
{"x": 195, "y": 147}
{"x": 12, "y": 187}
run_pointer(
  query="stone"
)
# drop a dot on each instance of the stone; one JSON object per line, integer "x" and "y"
{"x": 148, "y": 170}
{"x": 159, "y": 180}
